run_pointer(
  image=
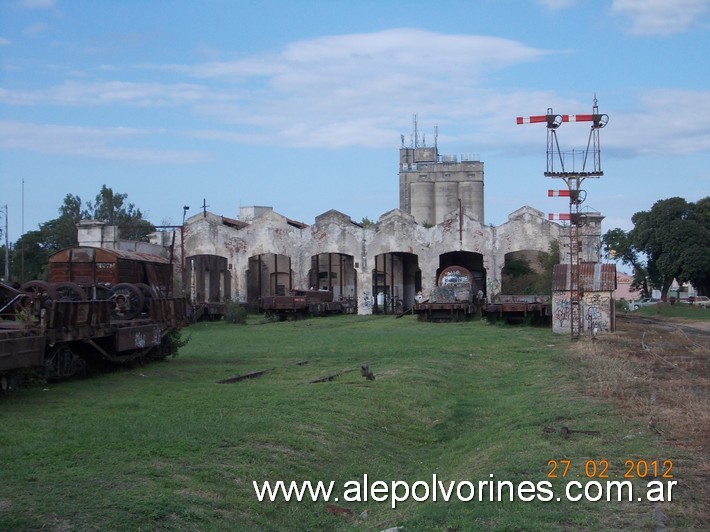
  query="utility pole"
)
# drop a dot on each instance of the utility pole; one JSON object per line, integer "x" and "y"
{"x": 7, "y": 249}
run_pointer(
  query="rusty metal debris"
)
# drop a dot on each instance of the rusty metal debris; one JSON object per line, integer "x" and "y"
{"x": 245, "y": 376}
{"x": 258, "y": 373}
{"x": 566, "y": 431}
{"x": 365, "y": 372}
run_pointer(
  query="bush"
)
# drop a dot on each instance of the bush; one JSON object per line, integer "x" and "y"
{"x": 234, "y": 312}
{"x": 621, "y": 305}
{"x": 171, "y": 343}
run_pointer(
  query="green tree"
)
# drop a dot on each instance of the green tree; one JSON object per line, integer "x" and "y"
{"x": 674, "y": 236}
{"x": 695, "y": 256}
{"x": 60, "y": 232}
{"x": 30, "y": 256}
{"x": 111, "y": 208}
{"x": 31, "y": 252}
{"x": 550, "y": 258}
{"x": 617, "y": 245}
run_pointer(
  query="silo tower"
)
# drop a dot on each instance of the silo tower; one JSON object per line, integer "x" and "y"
{"x": 432, "y": 185}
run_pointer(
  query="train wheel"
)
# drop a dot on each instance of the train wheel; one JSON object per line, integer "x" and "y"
{"x": 128, "y": 301}
{"x": 149, "y": 293}
{"x": 69, "y": 292}
{"x": 40, "y": 288}
{"x": 62, "y": 363}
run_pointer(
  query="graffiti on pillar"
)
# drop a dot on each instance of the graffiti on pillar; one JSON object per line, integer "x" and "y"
{"x": 597, "y": 312}
{"x": 562, "y": 309}
{"x": 366, "y": 299}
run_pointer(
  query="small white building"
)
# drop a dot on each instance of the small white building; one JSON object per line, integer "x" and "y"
{"x": 597, "y": 283}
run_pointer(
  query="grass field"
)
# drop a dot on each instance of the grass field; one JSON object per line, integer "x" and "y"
{"x": 167, "y": 447}
{"x": 679, "y": 310}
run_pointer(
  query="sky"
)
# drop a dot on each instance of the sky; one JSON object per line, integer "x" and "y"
{"x": 302, "y": 105}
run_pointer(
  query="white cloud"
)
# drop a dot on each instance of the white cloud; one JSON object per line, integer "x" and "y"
{"x": 662, "y": 17}
{"x": 361, "y": 90}
{"x": 93, "y": 142}
{"x": 35, "y": 29}
{"x": 331, "y": 91}
{"x": 75, "y": 93}
{"x": 5, "y": 42}
{"x": 668, "y": 122}
{"x": 318, "y": 91}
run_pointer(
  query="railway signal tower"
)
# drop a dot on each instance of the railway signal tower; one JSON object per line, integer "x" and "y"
{"x": 561, "y": 165}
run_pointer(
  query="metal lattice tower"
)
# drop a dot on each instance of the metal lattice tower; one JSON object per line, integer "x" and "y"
{"x": 591, "y": 168}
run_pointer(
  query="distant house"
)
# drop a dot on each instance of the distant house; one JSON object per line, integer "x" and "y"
{"x": 623, "y": 287}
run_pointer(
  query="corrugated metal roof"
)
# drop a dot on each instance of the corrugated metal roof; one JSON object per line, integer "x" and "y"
{"x": 593, "y": 277}
{"x": 91, "y": 254}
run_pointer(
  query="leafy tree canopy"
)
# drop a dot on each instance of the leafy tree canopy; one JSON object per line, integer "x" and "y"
{"x": 31, "y": 252}
{"x": 674, "y": 238}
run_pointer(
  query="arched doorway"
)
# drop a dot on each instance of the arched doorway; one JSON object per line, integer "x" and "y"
{"x": 473, "y": 262}
{"x": 269, "y": 274}
{"x": 395, "y": 281}
{"x": 336, "y": 273}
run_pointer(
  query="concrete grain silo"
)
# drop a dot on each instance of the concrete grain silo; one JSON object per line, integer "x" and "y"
{"x": 429, "y": 181}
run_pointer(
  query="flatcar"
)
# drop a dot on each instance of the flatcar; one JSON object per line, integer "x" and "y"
{"x": 455, "y": 297}
{"x": 300, "y": 303}
{"x": 96, "y": 304}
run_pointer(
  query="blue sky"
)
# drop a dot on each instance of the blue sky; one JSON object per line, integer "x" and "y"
{"x": 300, "y": 105}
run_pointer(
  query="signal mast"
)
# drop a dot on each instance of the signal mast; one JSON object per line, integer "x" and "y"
{"x": 591, "y": 168}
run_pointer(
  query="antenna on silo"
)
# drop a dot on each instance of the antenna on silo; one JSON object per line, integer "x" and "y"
{"x": 416, "y": 133}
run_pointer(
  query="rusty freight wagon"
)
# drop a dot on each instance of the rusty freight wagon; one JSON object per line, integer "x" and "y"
{"x": 89, "y": 267}
{"x": 300, "y": 303}
{"x": 98, "y": 304}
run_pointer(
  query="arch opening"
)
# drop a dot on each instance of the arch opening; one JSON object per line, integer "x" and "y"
{"x": 396, "y": 279}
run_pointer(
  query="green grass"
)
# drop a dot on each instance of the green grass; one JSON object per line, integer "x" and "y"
{"x": 167, "y": 447}
{"x": 678, "y": 310}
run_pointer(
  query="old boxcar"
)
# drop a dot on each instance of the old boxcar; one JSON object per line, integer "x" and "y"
{"x": 89, "y": 267}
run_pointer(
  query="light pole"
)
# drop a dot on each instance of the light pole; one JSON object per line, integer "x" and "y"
{"x": 185, "y": 208}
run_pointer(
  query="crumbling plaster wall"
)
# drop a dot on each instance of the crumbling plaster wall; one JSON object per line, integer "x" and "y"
{"x": 526, "y": 229}
{"x": 395, "y": 231}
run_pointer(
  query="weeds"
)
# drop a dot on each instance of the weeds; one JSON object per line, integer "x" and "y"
{"x": 234, "y": 312}
{"x": 658, "y": 377}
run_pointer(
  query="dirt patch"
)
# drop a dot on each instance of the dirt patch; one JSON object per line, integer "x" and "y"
{"x": 658, "y": 372}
